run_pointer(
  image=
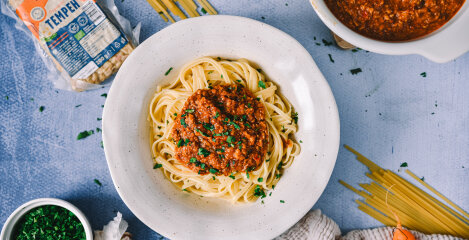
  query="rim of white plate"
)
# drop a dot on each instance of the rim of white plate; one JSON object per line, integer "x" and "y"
{"x": 114, "y": 145}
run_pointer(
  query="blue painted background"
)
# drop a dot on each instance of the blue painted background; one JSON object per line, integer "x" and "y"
{"x": 389, "y": 112}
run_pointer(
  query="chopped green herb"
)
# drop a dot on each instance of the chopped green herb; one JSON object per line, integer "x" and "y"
{"x": 259, "y": 192}
{"x": 49, "y": 222}
{"x": 424, "y": 74}
{"x": 301, "y": 141}
{"x": 238, "y": 80}
{"x": 169, "y": 70}
{"x": 221, "y": 75}
{"x": 203, "y": 152}
{"x": 180, "y": 143}
{"x": 247, "y": 175}
{"x": 185, "y": 190}
{"x": 201, "y": 133}
{"x": 278, "y": 175}
{"x": 102, "y": 145}
{"x": 157, "y": 166}
{"x": 249, "y": 105}
{"x": 261, "y": 84}
{"x": 260, "y": 179}
{"x": 216, "y": 115}
{"x": 97, "y": 182}
{"x": 247, "y": 125}
{"x": 326, "y": 43}
{"x": 99, "y": 119}
{"x": 263, "y": 18}
{"x": 193, "y": 160}
{"x": 183, "y": 122}
{"x": 31, "y": 99}
{"x": 423, "y": 178}
{"x": 213, "y": 170}
{"x": 294, "y": 116}
{"x": 203, "y": 11}
{"x": 230, "y": 139}
{"x": 84, "y": 134}
{"x": 404, "y": 164}
{"x": 209, "y": 126}
{"x": 219, "y": 58}
{"x": 98, "y": 130}
{"x": 104, "y": 95}
{"x": 213, "y": 177}
{"x": 282, "y": 201}
{"x": 77, "y": 106}
{"x": 190, "y": 110}
{"x": 232, "y": 176}
{"x": 268, "y": 160}
{"x": 330, "y": 58}
{"x": 355, "y": 71}
{"x": 175, "y": 114}
{"x": 202, "y": 165}
{"x": 41, "y": 108}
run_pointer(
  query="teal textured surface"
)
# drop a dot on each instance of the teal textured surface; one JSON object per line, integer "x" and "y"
{"x": 388, "y": 111}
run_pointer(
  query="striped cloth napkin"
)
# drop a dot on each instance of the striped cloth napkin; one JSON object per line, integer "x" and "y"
{"x": 318, "y": 226}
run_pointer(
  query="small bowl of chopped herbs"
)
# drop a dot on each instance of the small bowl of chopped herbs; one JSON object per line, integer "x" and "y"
{"x": 47, "y": 218}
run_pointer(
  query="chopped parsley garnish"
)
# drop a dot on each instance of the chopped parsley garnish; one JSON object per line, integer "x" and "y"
{"x": 102, "y": 145}
{"x": 41, "y": 108}
{"x": 259, "y": 192}
{"x": 158, "y": 165}
{"x": 355, "y": 71}
{"x": 180, "y": 143}
{"x": 99, "y": 119}
{"x": 169, "y": 70}
{"x": 190, "y": 110}
{"x": 301, "y": 141}
{"x": 98, "y": 130}
{"x": 424, "y": 74}
{"x": 238, "y": 80}
{"x": 247, "y": 175}
{"x": 230, "y": 139}
{"x": 326, "y": 43}
{"x": 203, "y": 11}
{"x": 278, "y": 175}
{"x": 193, "y": 160}
{"x": 279, "y": 166}
{"x": 213, "y": 170}
{"x": 247, "y": 125}
{"x": 249, "y": 105}
{"x": 202, "y": 133}
{"x": 294, "y": 116}
{"x": 261, "y": 84}
{"x": 330, "y": 58}
{"x": 213, "y": 177}
{"x": 202, "y": 165}
{"x": 260, "y": 179}
{"x": 84, "y": 134}
{"x": 221, "y": 75}
{"x": 175, "y": 114}
{"x": 282, "y": 201}
{"x": 98, "y": 182}
{"x": 203, "y": 152}
{"x": 209, "y": 126}
{"x": 219, "y": 58}
{"x": 268, "y": 160}
{"x": 232, "y": 176}
{"x": 49, "y": 222}
{"x": 104, "y": 95}
{"x": 77, "y": 106}
{"x": 216, "y": 115}
{"x": 183, "y": 122}
{"x": 404, "y": 164}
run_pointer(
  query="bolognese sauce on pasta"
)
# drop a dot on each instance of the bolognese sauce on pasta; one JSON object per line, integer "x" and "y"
{"x": 221, "y": 130}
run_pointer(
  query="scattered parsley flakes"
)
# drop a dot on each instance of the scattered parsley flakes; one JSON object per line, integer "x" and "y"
{"x": 294, "y": 116}
{"x": 261, "y": 84}
{"x": 98, "y": 182}
{"x": 183, "y": 122}
{"x": 190, "y": 110}
{"x": 157, "y": 165}
{"x": 424, "y": 74}
{"x": 193, "y": 160}
{"x": 99, "y": 119}
{"x": 169, "y": 70}
{"x": 77, "y": 106}
{"x": 203, "y": 11}
{"x": 6, "y": 97}
{"x": 102, "y": 145}
{"x": 404, "y": 164}
{"x": 423, "y": 178}
{"x": 84, "y": 134}
{"x": 104, "y": 95}
{"x": 213, "y": 170}
{"x": 41, "y": 108}
{"x": 301, "y": 141}
{"x": 330, "y": 58}
{"x": 232, "y": 176}
{"x": 203, "y": 152}
{"x": 326, "y": 43}
{"x": 260, "y": 179}
{"x": 259, "y": 192}
{"x": 98, "y": 130}
{"x": 355, "y": 71}
{"x": 282, "y": 201}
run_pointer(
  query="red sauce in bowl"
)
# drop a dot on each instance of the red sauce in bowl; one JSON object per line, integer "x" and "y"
{"x": 394, "y": 20}
{"x": 221, "y": 130}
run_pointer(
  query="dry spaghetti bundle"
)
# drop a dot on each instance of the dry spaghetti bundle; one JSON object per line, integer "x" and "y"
{"x": 389, "y": 194}
{"x": 165, "y": 7}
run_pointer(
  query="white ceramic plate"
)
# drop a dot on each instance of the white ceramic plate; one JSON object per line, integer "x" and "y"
{"x": 180, "y": 215}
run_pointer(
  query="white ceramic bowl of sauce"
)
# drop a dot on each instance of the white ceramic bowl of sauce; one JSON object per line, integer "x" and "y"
{"x": 445, "y": 44}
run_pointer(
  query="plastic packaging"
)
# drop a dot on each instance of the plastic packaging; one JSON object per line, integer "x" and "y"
{"x": 82, "y": 42}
